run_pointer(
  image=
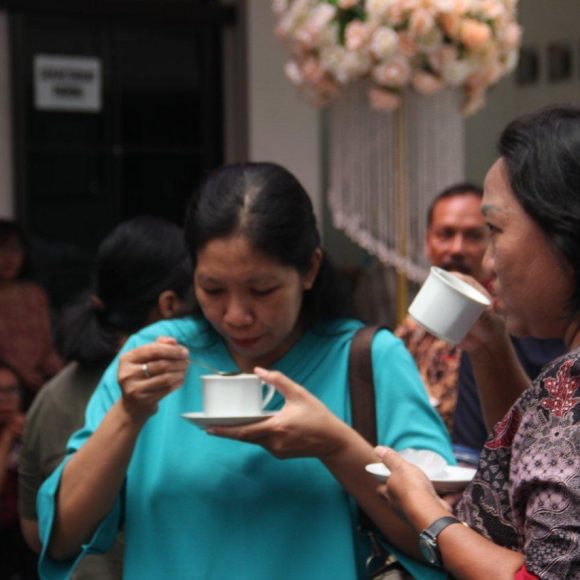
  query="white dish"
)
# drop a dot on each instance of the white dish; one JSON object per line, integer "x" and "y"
{"x": 203, "y": 421}
{"x": 453, "y": 479}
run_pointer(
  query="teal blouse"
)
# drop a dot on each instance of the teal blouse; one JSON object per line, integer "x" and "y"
{"x": 202, "y": 507}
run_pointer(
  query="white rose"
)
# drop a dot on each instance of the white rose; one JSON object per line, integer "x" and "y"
{"x": 456, "y": 72}
{"x": 377, "y": 9}
{"x": 293, "y": 72}
{"x": 492, "y": 9}
{"x": 384, "y": 42}
{"x": 511, "y": 60}
{"x": 441, "y": 5}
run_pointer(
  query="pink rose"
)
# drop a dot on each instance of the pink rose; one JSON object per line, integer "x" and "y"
{"x": 511, "y": 35}
{"x": 357, "y": 34}
{"x": 421, "y": 22}
{"x": 346, "y": 4}
{"x": 312, "y": 71}
{"x": 382, "y": 100}
{"x": 321, "y": 93}
{"x": 407, "y": 45}
{"x": 474, "y": 101}
{"x": 450, "y": 23}
{"x": 474, "y": 34}
{"x": 425, "y": 83}
{"x": 395, "y": 72}
{"x": 442, "y": 57}
{"x": 492, "y": 9}
{"x": 484, "y": 76}
{"x": 395, "y": 14}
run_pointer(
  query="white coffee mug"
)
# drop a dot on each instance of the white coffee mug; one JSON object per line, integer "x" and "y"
{"x": 446, "y": 306}
{"x": 236, "y": 396}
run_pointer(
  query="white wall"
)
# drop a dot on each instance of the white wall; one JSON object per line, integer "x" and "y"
{"x": 6, "y": 181}
{"x": 281, "y": 126}
{"x": 543, "y": 22}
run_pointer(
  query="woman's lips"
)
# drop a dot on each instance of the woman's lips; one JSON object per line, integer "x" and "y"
{"x": 244, "y": 342}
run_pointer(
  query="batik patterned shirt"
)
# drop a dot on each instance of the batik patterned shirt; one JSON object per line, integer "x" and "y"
{"x": 438, "y": 363}
{"x": 526, "y": 493}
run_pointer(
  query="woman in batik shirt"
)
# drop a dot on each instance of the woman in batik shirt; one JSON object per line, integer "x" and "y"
{"x": 522, "y": 508}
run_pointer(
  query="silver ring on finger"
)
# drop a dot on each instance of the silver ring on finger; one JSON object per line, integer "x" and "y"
{"x": 146, "y": 372}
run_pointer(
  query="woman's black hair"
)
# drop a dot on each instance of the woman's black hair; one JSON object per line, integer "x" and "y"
{"x": 268, "y": 205}
{"x": 135, "y": 263}
{"x": 13, "y": 230}
{"x": 542, "y": 153}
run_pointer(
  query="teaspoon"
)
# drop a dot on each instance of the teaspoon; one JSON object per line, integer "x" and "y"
{"x": 214, "y": 370}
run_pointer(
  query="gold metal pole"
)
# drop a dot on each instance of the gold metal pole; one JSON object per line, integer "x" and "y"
{"x": 402, "y": 284}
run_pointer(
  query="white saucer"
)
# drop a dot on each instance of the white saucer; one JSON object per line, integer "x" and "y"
{"x": 453, "y": 479}
{"x": 203, "y": 421}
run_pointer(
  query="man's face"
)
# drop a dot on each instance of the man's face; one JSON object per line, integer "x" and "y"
{"x": 457, "y": 237}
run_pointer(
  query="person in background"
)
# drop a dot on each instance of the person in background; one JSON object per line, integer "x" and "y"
{"x": 522, "y": 508}
{"x": 195, "y": 506}
{"x": 142, "y": 274}
{"x": 16, "y": 559}
{"x": 456, "y": 240}
{"x": 26, "y": 338}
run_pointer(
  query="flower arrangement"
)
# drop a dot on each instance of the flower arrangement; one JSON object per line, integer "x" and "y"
{"x": 396, "y": 44}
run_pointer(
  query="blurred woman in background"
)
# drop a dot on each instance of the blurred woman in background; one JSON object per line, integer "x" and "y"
{"x": 26, "y": 337}
{"x": 142, "y": 275}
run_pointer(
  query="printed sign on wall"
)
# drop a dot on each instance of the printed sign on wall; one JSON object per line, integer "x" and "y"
{"x": 67, "y": 83}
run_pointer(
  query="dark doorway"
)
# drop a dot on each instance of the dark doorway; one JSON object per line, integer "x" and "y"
{"x": 153, "y": 128}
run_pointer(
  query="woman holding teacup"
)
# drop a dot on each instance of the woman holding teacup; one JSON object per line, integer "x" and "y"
{"x": 522, "y": 508}
{"x": 195, "y": 506}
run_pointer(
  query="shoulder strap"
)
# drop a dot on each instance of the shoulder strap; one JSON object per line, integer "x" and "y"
{"x": 362, "y": 393}
{"x": 362, "y": 388}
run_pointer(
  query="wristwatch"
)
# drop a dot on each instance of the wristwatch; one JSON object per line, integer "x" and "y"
{"x": 428, "y": 539}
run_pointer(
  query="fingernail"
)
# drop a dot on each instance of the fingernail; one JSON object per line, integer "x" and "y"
{"x": 380, "y": 450}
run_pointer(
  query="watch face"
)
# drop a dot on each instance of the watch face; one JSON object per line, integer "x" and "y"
{"x": 429, "y": 550}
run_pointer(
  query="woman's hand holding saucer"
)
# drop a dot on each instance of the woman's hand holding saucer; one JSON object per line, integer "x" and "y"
{"x": 303, "y": 428}
{"x": 409, "y": 490}
{"x": 149, "y": 373}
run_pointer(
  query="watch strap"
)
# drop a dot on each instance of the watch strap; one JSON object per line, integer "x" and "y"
{"x": 428, "y": 539}
{"x": 439, "y": 525}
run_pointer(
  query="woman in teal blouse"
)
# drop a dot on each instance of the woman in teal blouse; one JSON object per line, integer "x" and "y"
{"x": 197, "y": 506}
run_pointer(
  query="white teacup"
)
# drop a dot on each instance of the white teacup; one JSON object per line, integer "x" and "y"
{"x": 236, "y": 396}
{"x": 446, "y": 306}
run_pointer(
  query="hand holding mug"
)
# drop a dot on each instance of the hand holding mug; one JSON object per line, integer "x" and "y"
{"x": 303, "y": 428}
{"x": 448, "y": 306}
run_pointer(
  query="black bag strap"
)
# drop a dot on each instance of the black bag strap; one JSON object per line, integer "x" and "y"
{"x": 362, "y": 394}
{"x": 364, "y": 420}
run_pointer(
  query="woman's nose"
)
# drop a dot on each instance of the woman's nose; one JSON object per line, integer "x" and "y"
{"x": 487, "y": 263}
{"x": 238, "y": 313}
